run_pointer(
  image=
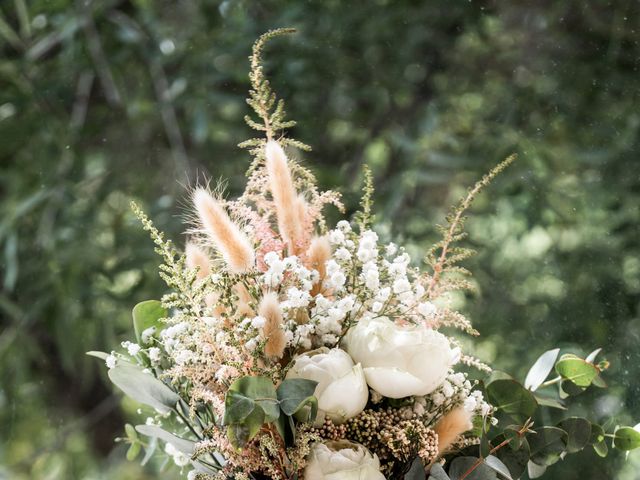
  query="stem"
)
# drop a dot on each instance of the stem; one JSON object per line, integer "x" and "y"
{"x": 480, "y": 461}
{"x": 553, "y": 381}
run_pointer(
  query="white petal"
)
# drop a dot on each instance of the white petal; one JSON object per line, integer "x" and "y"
{"x": 346, "y": 397}
{"x": 392, "y": 382}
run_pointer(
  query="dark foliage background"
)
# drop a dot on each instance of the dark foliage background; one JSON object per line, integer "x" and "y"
{"x": 106, "y": 101}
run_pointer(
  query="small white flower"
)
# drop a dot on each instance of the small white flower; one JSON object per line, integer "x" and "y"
{"x": 401, "y": 285}
{"x": 110, "y": 361}
{"x": 376, "y": 307}
{"x": 154, "y": 354}
{"x": 298, "y": 298}
{"x": 336, "y": 237}
{"x": 147, "y": 334}
{"x": 271, "y": 257}
{"x": 426, "y": 309}
{"x": 342, "y": 254}
{"x": 447, "y": 389}
{"x": 470, "y": 404}
{"x": 344, "y": 226}
{"x": 183, "y": 357}
{"x": 133, "y": 349}
{"x": 258, "y": 322}
{"x": 391, "y": 249}
{"x": 251, "y": 345}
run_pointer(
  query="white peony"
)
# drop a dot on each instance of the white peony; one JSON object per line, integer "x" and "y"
{"x": 400, "y": 361}
{"x": 342, "y": 391}
{"x": 342, "y": 460}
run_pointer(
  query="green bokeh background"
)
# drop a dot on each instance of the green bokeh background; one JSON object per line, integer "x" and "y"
{"x": 106, "y": 101}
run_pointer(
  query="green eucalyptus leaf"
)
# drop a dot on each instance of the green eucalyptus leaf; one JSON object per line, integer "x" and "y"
{"x": 181, "y": 444}
{"x": 599, "y": 382}
{"x": 568, "y": 388}
{"x": 438, "y": 473}
{"x": 147, "y": 314}
{"x": 601, "y": 448}
{"x": 132, "y": 435}
{"x": 461, "y": 465}
{"x": 626, "y": 438}
{"x": 534, "y": 470}
{"x": 515, "y": 459}
{"x": 597, "y": 434}
{"x": 237, "y": 407}
{"x": 240, "y": 433}
{"x": 143, "y": 387}
{"x": 261, "y": 391}
{"x": 545, "y": 401}
{"x": 295, "y": 393}
{"x": 577, "y": 370}
{"x": 100, "y": 355}
{"x": 541, "y": 369}
{"x": 416, "y": 472}
{"x": 133, "y": 451}
{"x": 578, "y": 432}
{"x": 511, "y": 397}
{"x": 496, "y": 464}
{"x": 547, "y": 444}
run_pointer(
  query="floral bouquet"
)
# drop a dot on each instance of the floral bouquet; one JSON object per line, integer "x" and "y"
{"x": 288, "y": 349}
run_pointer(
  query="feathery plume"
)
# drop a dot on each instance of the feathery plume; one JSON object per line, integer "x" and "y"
{"x": 451, "y": 426}
{"x": 269, "y": 309}
{"x": 284, "y": 194}
{"x": 317, "y": 255}
{"x": 244, "y": 300}
{"x": 197, "y": 258}
{"x": 230, "y": 241}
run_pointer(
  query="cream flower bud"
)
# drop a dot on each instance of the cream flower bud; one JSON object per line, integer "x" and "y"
{"x": 342, "y": 391}
{"x": 342, "y": 460}
{"x": 400, "y": 361}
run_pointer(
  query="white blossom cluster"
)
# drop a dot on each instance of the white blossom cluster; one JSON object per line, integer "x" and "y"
{"x": 456, "y": 390}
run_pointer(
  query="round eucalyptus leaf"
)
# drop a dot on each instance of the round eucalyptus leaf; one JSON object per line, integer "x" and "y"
{"x": 626, "y": 438}
{"x": 547, "y": 444}
{"x": 578, "y": 432}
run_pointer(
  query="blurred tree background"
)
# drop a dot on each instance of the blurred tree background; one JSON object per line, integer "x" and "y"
{"x": 106, "y": 101}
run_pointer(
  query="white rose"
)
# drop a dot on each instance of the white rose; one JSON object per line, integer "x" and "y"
{"x": 342, "y": 460}
{"x": 342, "y": 391}
{"x": 400, "y": 361}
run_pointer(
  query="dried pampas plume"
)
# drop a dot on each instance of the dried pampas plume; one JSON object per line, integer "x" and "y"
{"x": 288, "y": 204}
{"x": 231, "y": 242}
{"x": 317, "y": 255}
{"x": 197, "y": 258}
{"x": 451, "y": 426}
{"x": 269, "y": 309}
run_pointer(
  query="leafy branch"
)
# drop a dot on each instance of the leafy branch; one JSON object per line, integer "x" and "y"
{"x": 443, "y": 256}
{"x": 265, "y": 103}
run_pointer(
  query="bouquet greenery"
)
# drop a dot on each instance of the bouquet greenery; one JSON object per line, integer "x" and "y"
{"x": 288, "y": 349}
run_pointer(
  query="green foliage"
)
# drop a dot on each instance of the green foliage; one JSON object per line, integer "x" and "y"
{"x": 252, "y": 402}
{"x": 143, "y": 387}
{"x": 148, "y": 314}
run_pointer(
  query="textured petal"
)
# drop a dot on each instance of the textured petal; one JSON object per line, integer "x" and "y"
{"x": 393, "y": 382}
{"x": 346, "y": 397}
